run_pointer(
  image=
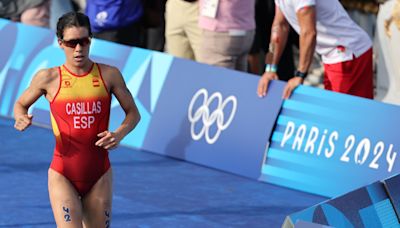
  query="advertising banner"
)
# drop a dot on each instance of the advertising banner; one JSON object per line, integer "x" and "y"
{"x": 330, "y": 143}
{"x": 212, "y": 116}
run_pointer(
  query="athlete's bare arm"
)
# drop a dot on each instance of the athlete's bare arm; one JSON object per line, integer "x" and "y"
{"x": 43, "y": 83}
{"x": 116, "y": 84}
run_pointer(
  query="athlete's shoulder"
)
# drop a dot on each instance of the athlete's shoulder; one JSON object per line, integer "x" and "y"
{"x": 46, "y": 71}
{"x": 112, "y": 76}
{"x": 47, "y": 75}
{"x": 109, "y": 71}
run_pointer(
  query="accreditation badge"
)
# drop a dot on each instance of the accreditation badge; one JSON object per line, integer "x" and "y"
{"x": 210, "y": 8}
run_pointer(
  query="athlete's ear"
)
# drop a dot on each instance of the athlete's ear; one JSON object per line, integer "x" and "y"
{"x": 60, "y": 43}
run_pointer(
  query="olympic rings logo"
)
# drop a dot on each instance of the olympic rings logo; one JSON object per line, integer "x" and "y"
{"x": 208, "y": 119}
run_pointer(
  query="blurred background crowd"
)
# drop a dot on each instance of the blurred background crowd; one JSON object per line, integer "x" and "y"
{"x": 178, "y": 28}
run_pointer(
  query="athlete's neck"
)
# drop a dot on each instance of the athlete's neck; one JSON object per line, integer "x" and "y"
{"x": 79, "y": 70}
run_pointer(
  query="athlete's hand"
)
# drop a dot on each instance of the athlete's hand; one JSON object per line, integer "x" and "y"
{"x": 264, "y": 81}
{"x": 291, "y": 85}
{"x": 108, "y": 140}
{"x": 22, "y": 122}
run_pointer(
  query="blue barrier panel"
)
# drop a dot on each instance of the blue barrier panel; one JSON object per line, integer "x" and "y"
{"x": 21, "y": 56}
{"x": 303, "y": 224}
{"x": 329, "y": 143}
{"x": 392, "y": 186}
{"x": 212, "y": 116}
{"x": 324, "y": 143}
{"x": 369, "y": 206}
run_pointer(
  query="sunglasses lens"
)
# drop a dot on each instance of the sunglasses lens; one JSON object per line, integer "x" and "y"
{"x": 72, "y": 43}
{"x": 84, "y": 41}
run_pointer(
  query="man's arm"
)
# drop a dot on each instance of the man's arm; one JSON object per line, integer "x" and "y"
{"x": 308, "y": 38}
{"x": 28, "y": 97}
{"x": 109, "y": 140}
{"x": 279, "y": 34}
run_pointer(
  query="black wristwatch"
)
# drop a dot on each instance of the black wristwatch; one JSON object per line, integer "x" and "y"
{"x": 300, "y": 74}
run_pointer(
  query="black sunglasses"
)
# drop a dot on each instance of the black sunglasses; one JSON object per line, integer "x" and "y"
{"x": 72, "y": 43}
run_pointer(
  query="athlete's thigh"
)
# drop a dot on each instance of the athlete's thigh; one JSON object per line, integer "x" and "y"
{"x": 65, "y": 201}
{"x": 97, "y": 203}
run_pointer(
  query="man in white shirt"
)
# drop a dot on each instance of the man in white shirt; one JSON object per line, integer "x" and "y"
{"x": 325, "y": 27}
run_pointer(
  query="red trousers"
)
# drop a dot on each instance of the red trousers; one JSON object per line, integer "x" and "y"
{"x": 353, "y": 77}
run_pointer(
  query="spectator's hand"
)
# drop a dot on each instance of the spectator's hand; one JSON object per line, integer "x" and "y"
{"x": 108, "y": 140}
{"x": 22, "y": 122}
{"x": 291, "y": 85}
{"x": 264, "y": 81}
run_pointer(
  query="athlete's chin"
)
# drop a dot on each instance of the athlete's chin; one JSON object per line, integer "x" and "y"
{"x": 80, "y": 62}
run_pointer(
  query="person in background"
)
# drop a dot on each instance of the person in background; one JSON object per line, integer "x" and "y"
{"x": 30, "y": 12}
{"x": 228, "y": 31}
{"x": 121, "y": 23}
{"x": 325, "y": 27}
{"x": 182, "y": 32}
{"x": 264, "y": 14}
{"x": 155, "y": 25}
